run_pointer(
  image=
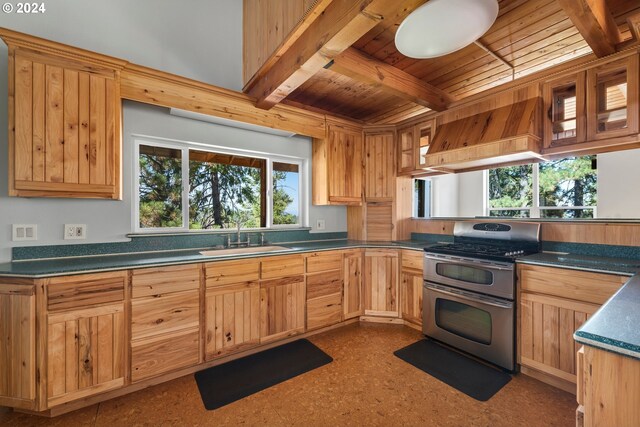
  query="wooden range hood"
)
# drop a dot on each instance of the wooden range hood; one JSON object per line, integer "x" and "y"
{"x": 505, "y": 135}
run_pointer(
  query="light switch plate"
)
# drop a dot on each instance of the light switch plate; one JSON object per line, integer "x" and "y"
{"x": 320, "y": 224}
{"x": 75, "y": 231}
{"x": 22, "y": 232}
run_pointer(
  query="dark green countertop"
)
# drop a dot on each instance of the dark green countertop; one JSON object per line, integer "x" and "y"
{"x": 621, "y": 266}
{"x": 614, "y": 327}
{"x": 76, "y": 265}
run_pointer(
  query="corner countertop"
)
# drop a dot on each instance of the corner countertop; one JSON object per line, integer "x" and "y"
{"x": 99, "y": 263}
{"x": 614, "y": 327}
{"x": 596, "y": 264}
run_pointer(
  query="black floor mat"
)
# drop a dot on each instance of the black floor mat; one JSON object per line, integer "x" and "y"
{"x": 226, "y": 383}
{"x": 460, "y": 372}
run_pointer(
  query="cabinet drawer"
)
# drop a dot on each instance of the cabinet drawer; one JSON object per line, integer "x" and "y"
{"x": 229, "y": 272}
{"x": 322, "y": 284}
{"x": 323, "y": 261}
{"x": 155, "y": 356}
{"x": 281, "y": 266}
{"x": 166, "y": 313}
{"x": 583, "y": 286}
{"x": 412, "y": 259}
{"x": 69, "y": 292}
{"x": 158, "y": 281}
{"x": 324, "y": 311}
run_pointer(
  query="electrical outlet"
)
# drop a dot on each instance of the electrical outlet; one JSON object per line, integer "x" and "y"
{"x": 320, "y": 224}
{"x": 22, "y": 232}
{"x": 75, "y": 231}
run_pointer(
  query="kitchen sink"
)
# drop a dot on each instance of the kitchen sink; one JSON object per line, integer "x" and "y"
{"x": 247, "y": 250}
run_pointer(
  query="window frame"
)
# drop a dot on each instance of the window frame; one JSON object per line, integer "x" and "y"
{"x": 185, "y": 147}
{"x": 535, "y": 208}
{"x": 430, "y": 196}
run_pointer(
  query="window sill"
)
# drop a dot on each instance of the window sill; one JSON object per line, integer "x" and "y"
{"x": 156, "y": 233}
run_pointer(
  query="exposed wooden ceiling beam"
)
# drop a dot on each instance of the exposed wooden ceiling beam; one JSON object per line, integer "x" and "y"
{"x": 596, "y": 24}
{"x": 634, "y": 26}
{"x": 340, "y": 25}
{"x": 360, "y": 66}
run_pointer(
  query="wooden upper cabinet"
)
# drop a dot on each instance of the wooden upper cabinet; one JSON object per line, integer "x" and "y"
{"x": 423, "y": 136}
{"x": 597, "y": 104}
{"x": 406, "y": 150}
{"x": 379, "y": 167}
{"x": 612, "y": 99}
{"x": 337, "y": 167}
{"x": 564, "y": 106}
{"x": 64, "y": 121}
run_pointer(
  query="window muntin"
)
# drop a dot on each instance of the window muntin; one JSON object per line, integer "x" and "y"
{"x": 244, "y": 190}
{"x": 564, "y": 188}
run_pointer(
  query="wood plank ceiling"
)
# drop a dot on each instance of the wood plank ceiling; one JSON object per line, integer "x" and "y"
{"x": 528, "y": 36}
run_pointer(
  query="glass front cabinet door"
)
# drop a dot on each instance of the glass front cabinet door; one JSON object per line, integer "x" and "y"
{"x": 565, "y": 109}
{"x": 612, "y": 99}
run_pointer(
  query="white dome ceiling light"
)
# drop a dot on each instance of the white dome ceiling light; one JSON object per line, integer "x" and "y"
{"x": 440, "y": 27}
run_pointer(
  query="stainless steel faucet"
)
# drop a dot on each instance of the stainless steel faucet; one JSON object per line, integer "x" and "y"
{"x": 238, "y": 242}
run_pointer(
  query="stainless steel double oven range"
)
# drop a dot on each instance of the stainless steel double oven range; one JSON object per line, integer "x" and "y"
{"x": 469, "y": 288}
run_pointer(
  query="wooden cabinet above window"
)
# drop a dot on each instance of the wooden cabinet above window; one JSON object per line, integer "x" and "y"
{"x": 64, "y": 120}
{"x": 337, "y": 167}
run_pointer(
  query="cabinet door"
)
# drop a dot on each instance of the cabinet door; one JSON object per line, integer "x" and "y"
{"x": 424, "y": 135}
{"x": 352, "y": 299}
{"x": 547, "y": 325}
{"x": 381, "y": 282}
{"x": 411, "y": 296}
{"x": 232, "y": 316}
{"x": 85, "y": 352}
{"x": 564, "y": 106}
{"x": 612, "y": 99}
{"x": 379, "y": 167}
{"x": 344, "y": 163}
{"x": 66, "y": 128}
{"x": 406, "y": 150}
{"x": 282, "y": 304}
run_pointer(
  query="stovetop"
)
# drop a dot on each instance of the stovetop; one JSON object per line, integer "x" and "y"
{"x": 502, "y": 252}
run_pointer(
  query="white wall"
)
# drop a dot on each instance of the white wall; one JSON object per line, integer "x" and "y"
{"x": 619, "y": 184}
{"x": 205, "y": 45}
{"x": 471, "y": 194}
{"x": 444, "y": 196}
{"x": 199, "y": 39}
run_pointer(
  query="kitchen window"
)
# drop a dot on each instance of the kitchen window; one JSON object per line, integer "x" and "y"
{"x": 564, "y": 188}
{"x": 184, "y": 187}
{"x": 421, "y": 198}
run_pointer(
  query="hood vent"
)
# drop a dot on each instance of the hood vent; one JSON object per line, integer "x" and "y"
{"x": 505, "y": 135}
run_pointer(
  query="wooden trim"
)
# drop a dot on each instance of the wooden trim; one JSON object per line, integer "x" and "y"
{"x": 86, "y": 312}
{"x": 168, "y": 90}
{"x": 85, "y": 392}
{"x": 367, "y": 69}
{"x": 15, "y": 38}
{"x": 383, "y": 317}
{"x": 556, "y": 382}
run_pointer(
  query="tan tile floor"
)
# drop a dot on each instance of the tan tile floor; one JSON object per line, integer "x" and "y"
{"x": 366, "y": 385}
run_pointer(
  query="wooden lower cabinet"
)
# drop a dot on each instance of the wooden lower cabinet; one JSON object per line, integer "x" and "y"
{"x": 324, "y": 298}
{"x": 411, "y": 296}
{"x": 232, "y": 318}
{"x": 381, "y": 282}
{"x": 17, "y": 360}
{"x": 547, "y": 325}
{"x": 165, "y": 320}
{"x": 411, "y": 285}
{"x": 553, "y": 304}
{"x": 282, "y": 308}
{"x": 85, "y": 352}
{"x": 352, "y": 301}
{"x": 610, "y": 387}
{"x": 156, "y": 355}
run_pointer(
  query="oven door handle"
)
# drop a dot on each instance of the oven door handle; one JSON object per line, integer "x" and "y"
{"x": 492, "y": 302}
{"x": 461, "y": 261}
